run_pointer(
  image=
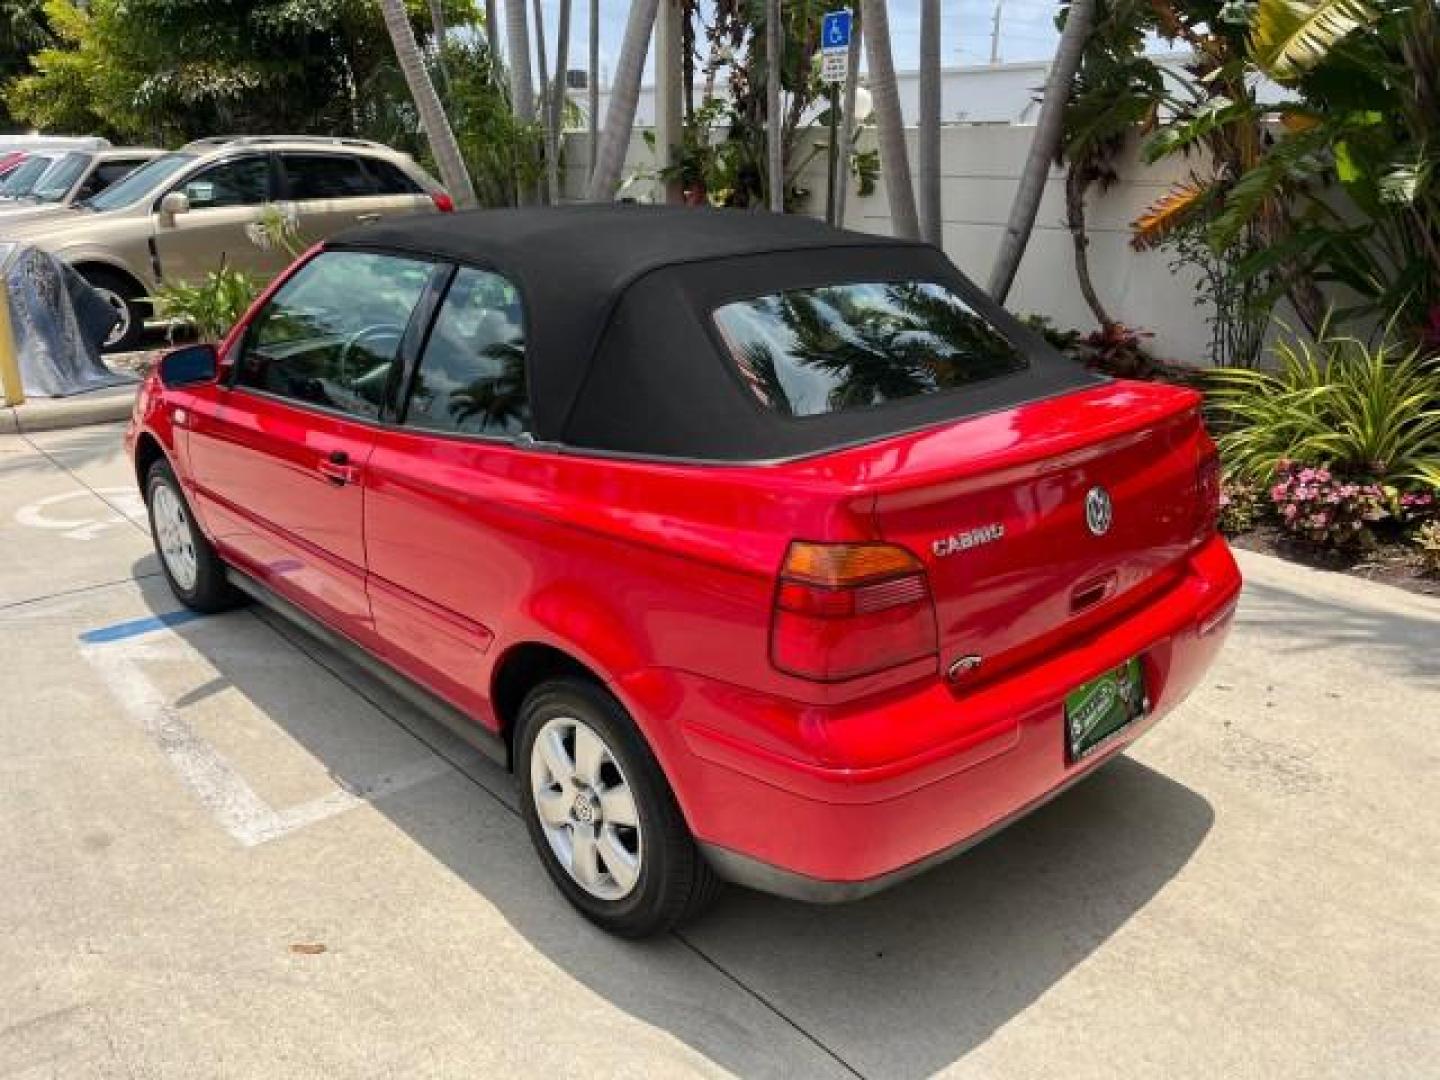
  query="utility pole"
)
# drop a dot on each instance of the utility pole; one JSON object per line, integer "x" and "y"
{"x": 995, "y": 34}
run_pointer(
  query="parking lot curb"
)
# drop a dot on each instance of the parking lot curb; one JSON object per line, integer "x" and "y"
{"x": 80, "y": 410}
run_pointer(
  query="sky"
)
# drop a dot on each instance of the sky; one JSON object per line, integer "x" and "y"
{"x": 1027, "y": 31}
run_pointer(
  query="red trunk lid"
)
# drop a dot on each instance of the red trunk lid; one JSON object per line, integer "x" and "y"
{"x": 996, "y": 508}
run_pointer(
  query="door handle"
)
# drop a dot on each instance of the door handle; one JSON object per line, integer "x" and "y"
{"x": 368, "y": 219}
{"x": 337, "y": 469}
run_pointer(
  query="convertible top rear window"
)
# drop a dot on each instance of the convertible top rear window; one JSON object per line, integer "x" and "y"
{"x": 808, "y": 352}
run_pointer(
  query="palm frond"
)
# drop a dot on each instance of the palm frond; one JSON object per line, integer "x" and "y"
{"x": 1170, "y": 212}
{"x": 1291, "y": 36}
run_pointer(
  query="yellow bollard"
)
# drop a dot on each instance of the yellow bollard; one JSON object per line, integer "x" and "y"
{"x": 9, "y": 356}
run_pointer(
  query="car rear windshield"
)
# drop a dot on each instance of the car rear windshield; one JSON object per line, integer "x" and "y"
{"x": 21, "y": 182}
{"x": 836, "y": 348}
{"x": 55, "y": 183}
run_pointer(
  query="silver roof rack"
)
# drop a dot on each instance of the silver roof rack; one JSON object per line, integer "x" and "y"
{"x": 215, "y": 141}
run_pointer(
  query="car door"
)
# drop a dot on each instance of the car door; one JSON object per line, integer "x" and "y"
{"x": 280, "y": 453}
{"x": 442, "y": 569}
{"x": 226, "y": 200}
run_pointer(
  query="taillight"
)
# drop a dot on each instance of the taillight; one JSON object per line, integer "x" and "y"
{"x": 844, "y": 610}
{"x": 1207, "y": 491}
{"x": 443, "y": 202}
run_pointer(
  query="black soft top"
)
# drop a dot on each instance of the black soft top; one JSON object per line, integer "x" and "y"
{"x": 621, "y": 351}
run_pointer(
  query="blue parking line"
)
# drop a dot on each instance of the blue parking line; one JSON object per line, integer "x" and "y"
{"x": 135, "y": 627}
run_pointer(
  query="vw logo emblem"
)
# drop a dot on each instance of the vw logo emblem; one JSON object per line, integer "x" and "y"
{"x": 1099, "y": 511}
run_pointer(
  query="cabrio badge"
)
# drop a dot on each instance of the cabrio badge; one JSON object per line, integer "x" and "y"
{"x": 964, "y": 541}
{"x": 1099, "y": 511}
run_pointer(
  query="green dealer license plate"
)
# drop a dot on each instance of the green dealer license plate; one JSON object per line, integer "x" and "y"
{"x": 1103, "y": 706}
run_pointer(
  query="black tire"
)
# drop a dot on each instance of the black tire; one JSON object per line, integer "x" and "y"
{"x": 211, "y": 590}
{"x": 125, "y": 294}
{"x": 675, "y": 882}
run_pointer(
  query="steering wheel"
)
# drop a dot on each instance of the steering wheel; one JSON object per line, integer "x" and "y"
{"x": 377, "y": 332}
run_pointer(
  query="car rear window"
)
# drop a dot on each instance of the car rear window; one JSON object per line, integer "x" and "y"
{"x": 315, "y": 176}
{"x": 836, "y": 348}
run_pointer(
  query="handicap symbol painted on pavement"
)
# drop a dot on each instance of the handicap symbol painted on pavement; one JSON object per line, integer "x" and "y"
{"x": 49, "y": 513}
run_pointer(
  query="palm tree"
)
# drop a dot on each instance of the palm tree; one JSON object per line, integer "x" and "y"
{"x": 893, "y": 155}
{"x": 522, "y": 90}
{"x": 1044, "y": 145}
{"x": 437, "y": 27}
{"x": 492, "y": 34}
{"x": 624, "y": 99}
{"x": 1117, "y": 91}
{"x": 542, "y": 67}
{"x": 592, "y": 81}
{"x": 427, "y": 103}
{"x": 847, "y": 118}
{"x": 774, "y": 133}
{"x": 559, "y": 96}
{"x": 931, "y": 219}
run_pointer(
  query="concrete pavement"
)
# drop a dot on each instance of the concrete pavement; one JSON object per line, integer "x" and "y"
{"x": 227, "y": 852}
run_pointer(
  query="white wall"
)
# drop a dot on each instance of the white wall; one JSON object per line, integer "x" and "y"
{"x": 981, "y": 168}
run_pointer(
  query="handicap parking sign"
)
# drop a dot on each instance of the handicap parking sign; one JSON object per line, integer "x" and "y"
{"x": 835, "y": 30}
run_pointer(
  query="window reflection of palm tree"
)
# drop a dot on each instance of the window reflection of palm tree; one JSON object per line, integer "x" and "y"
{"x": 918, "y": 340}
{"x": 500, "y": 400}
{"x": 757, "y": 368}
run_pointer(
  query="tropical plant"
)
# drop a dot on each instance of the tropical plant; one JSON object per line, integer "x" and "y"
{"x": 890, "y": 122}
{"x": 1334, "y": 186}
{"x": 211, "y": 306}
{"x": 1370, "y": 412}
{"x": 1045, "y": 145}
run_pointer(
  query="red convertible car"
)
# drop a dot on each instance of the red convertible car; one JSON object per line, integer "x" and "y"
{"x": 759, "y": 551}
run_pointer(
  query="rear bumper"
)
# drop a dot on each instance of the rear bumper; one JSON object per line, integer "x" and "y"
{"x": 839, "y": 819}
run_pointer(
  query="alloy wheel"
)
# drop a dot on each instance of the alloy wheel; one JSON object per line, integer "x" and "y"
{"x": 586, "y": 808}
{"x": 172, "y": 532}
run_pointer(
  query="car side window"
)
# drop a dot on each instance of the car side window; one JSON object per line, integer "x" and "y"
{"x": 330, "y": 335}
{"x": 327, "y": 176}
{"x": 391, "y": 180}
{"x": 471, "y": 376}
{"x": 242, "y": 182}
{"x": 105, "y": 174}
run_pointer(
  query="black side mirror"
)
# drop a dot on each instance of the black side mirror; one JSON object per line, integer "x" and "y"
{"x": 190, "y": 365}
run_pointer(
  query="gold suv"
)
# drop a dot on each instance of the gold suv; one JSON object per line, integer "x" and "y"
{"x": 176, "y": 218}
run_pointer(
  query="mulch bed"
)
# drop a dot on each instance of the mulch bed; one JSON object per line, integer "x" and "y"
{"x": 1388, "y": 562}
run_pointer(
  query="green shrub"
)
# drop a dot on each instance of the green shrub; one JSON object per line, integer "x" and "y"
{"x": 1365, "y": 411}
{"x": 210, "y": 307}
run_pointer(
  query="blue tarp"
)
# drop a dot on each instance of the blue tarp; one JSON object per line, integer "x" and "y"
{"x": 59, "y": 322}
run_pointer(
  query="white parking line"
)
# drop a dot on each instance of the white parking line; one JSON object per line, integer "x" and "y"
{"x": 218, "y": 786}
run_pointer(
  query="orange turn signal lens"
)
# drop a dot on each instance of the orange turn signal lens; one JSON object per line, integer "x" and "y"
{"x": 838, "y": 566}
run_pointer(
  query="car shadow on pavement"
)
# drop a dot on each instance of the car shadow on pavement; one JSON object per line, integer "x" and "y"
{"x": 901, "y": 984}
